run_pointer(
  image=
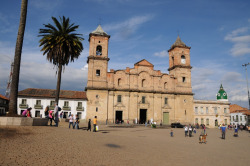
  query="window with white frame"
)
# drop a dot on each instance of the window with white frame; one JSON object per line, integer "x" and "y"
{"x": 24, "y": 101}
{"x": 207, "y": 110}
{"x": 215, "y": 110}
{"x": 202, "y": 110}
{"x": 66, "y": 103}
{"x": 196, "y": 110}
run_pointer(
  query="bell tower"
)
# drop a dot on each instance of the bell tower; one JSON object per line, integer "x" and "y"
{"x": 98, "y": 59}
{"x": 179, "y": 65}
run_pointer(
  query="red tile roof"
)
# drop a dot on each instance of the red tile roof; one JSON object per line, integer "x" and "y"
{"x": 236, "y": 108}
{"x": 50, "y": 93}
{"x": 3, "y": 97}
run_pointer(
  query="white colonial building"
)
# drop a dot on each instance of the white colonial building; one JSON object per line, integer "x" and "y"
{"x": 71, "y": 102}
{"x": 212, "y": 113}
{"x": 238, "y": 115}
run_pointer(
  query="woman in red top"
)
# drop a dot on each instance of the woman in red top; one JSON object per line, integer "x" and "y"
{"x": 28, "y": 112}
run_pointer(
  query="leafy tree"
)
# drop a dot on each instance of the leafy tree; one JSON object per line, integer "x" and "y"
{"x": 17, "y": 60}
{"x": 61, "y": 45}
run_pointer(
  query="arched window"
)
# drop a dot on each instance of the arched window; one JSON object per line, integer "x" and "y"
{"x": 165, "y": 85}
{"x": 143, "y": 83}
{"x": 183, "y": 59}
{"x": 119, "y": 81}
{"x": 99, "y": 50}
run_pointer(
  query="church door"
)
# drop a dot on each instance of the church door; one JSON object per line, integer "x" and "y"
{"x": 166, "y": 118}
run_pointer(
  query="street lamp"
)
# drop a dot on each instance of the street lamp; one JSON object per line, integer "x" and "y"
{"x": 247, "y": 85}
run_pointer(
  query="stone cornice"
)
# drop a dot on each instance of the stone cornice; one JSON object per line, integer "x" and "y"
{"x": 211, "y": 102}
{"x": 97, "y": 58}
{"x": 179, "y": 66}
{"x": 139, "y": 91}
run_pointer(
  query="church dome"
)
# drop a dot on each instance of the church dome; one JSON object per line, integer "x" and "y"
{"x": 221, "y": 95}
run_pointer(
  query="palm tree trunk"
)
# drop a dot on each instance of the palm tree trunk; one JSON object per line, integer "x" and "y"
{"x": 17, "y": 60}
{"x": 58, "y": 85}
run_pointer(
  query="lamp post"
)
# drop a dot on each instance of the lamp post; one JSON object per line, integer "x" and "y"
{"x": 247, "y": 85}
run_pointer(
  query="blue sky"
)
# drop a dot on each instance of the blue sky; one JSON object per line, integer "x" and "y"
{"x": 218, "y": 33}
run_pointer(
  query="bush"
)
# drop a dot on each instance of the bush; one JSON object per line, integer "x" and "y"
{"x": 153, "y": 125}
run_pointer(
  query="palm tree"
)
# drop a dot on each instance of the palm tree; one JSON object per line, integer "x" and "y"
{"x": 17, "y": 60}
{"x": 61, "y": 45}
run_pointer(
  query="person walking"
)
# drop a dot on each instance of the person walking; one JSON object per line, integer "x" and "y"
{"x": 51, "y": 117}
{"x": 223, "y": 129}
{"x": 76, "y": 125}
{"x": 46, "y": 112}
{"x": 56, "y": 115}
{"x": 190, "y": 130}
{"x": 71, "y": 121}
{"x": 95, "y": 123}
{"x": 186, "y": 130}
{"x": 89, "y": 125}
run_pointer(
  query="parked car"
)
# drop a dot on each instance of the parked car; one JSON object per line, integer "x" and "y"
{"x": 177, "y": 125}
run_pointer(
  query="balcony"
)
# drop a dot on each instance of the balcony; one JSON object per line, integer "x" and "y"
{"x": 66, "y": 108}
{"x": 23, "y": 105}
{"x": 79, "y": 109}
{"x": 38, "y": 106}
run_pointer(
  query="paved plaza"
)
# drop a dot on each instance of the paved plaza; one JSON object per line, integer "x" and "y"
{"x": 138, "y": 145}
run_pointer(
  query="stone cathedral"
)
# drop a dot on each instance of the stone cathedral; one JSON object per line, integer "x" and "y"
{"x": 139, "y": 94}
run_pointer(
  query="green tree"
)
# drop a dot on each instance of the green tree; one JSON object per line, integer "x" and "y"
{"x": 17, "y": 60}
{"x": 61, "y": 45}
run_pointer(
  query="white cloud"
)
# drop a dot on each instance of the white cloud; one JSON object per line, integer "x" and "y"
{"x": 232, "y": 77}
{"x": 163, "y": 53}
{"x": 34, "y": 75}
{"x": 240, "y": 40}
{"x": 126, "y": 28}
{"x": 85, "y": 67}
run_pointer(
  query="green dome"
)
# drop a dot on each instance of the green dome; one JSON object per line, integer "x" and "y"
{"x": 221, "y": 95}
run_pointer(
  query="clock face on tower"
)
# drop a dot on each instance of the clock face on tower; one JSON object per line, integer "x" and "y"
{"x": 183, "y": 61}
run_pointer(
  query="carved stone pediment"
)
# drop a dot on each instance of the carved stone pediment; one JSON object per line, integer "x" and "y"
{"x": 119, "y": 105}
{"x": 166, "y": 106}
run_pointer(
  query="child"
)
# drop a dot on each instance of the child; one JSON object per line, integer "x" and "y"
{"x": 171, "y": 133}
{"x": 194, "y": 130}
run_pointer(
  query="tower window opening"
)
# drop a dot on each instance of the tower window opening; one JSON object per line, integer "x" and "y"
{"x": 143, "y": 82}
{"x": 99, "y": 50}
{"x": 165, "y": 85}
{"x": 183, "y": 59}
{"x": 98, "y": 72}
{"x": 119, "y": 82}
{"x": 183, "y": 79}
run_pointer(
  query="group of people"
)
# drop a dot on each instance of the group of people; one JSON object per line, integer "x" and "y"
{"x": 52, "y": 115}
{"x": 27, "y": 112}
{"x": 74, "y": 121}
{"x": 189, "y": 130}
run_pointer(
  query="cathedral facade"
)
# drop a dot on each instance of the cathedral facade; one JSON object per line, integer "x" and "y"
{"x": 139, "y": 94}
